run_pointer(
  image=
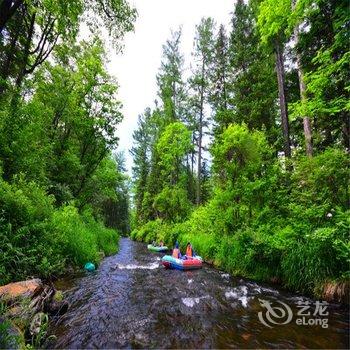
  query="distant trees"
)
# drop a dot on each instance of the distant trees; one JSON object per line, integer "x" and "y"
{"x": 265, "y": 73}
{"x": 200, "y": 83}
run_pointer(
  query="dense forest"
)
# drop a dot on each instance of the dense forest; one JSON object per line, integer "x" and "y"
{"x": 245, "y": 152}
{"x": 247, "y": 156}
{"x": 63, "y": 189}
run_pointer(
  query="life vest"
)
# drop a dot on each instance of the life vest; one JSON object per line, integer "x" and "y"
{"x": 176, "y": 253}
{"x": 189, "y": 251}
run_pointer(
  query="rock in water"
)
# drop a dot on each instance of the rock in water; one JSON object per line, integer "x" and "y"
{"x": 21, "y": 289}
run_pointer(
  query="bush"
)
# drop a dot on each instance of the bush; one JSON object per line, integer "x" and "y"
{"x": 265, "y": 224}
{"x": 81, "y": 237}
{"x": 26, "y": 247}
{"x": 308, "y": 263}
{"x": 39, "y": 240}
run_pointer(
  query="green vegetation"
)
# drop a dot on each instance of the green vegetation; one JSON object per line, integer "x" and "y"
{"x": 63, "y": 189}
{"x": 274, "y": 204}
{"x": 246, "y": 156}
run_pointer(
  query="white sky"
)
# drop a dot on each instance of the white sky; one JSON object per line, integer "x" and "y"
{"x": 137, "y": 67}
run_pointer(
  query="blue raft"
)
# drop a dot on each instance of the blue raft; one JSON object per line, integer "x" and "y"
{"x": 170, "y": 262}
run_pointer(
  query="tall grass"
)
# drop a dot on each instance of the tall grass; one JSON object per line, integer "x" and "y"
{"x": 82, "y": 237}
{"x": 38, "y": 239}
{"x": 301, "y": 264}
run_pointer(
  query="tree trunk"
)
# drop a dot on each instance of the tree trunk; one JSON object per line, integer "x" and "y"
{"x": 282, "y": 97}
{"x": 26, "y": 53}
{"x": 302, "y": 87}
{"x": 10, "y": 58}
{"x": 200, "y": 136}
{"x": 199, "y": 165}
{"x": 7, "y": 10}
{"x": 346, "y": 131}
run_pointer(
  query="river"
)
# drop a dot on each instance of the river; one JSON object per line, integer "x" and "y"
{"x": 132, "y": 301}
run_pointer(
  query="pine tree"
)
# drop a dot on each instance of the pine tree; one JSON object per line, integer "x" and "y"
{"x": 220, "y": 72}
{"x": 199, "y": 82}
{"x": 169, "y": 79}
{"x": 271, "y": 20}
{"x": 253, "y": 85}
{"x": 141, "y": 157}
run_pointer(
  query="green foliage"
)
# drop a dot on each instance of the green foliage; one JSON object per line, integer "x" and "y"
{"x": 172, "y": 204}
{"x": 264, "y": 217}
{"x": 7, "y": 340}
{"x": 152, "y": 231}
{"x": 273, "y": 18}
{"x": 169, "y": 79}
{"x": 256, "y": 228}
{"x": 316, "y": 259}
{"x": 173, "y": 145}
{"x": 81, "y": 237}
{"x": 25, "y": 213}
{"x": 59, "y": 184}
{"x": 41, "y": 240}
{"x": 253, "y": 90}
{"x": 323, "y": 180}
{"x": 327, "y": 69}
{"x": 238, "y": 150}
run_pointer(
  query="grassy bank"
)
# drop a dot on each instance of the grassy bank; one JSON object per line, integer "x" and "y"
{"x": 303, "y": 265}
{"x": 41, "y": 240}
{"x": 273, "y": 227}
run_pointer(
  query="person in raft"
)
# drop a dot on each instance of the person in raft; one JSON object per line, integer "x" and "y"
{"x": 190, "y": 253}
{"x": 161, "y": 244}
{"x": 176, "y": 251}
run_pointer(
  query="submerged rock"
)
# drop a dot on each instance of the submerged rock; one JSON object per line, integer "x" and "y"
{"x": 58, "y": 307}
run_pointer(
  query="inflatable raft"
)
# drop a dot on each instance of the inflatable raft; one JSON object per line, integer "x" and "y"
{"x": 157, "y": 248}
{"x": 170, "y": 262}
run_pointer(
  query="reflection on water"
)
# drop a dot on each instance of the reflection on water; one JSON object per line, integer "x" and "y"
{"x": 133, "y": 302}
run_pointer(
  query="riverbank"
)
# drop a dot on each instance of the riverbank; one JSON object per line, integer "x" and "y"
{"x": 26, "y": 308}
{"x": 313, "y": 267}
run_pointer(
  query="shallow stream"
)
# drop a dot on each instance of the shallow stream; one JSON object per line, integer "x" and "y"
{"x": 132, "y": 301}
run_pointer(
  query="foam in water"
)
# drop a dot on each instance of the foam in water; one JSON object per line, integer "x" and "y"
{"x": 225, "y": 275}
{"x": 244, "y": 300}
{"x": 269, "y": 290}
{"x": 151, "y": 266}
{"x": 189, "y": 281}
{"x": 190, "y": 302}
{"x": 260, "y": 289}
{"x": 239, "y": 293}
{"x": 230, "y": 294}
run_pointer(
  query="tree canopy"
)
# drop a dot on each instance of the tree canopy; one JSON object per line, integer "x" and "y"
{"x": 255, "y": 175}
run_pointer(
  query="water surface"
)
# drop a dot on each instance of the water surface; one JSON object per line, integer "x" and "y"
{"x": 131, "y": 301}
